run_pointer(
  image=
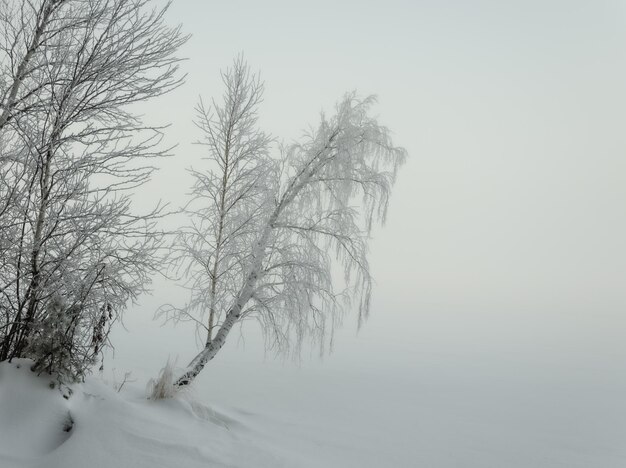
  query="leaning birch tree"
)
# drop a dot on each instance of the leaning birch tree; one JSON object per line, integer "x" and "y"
{"x": 270, "y": 231}
{"x": 73, "y": 250}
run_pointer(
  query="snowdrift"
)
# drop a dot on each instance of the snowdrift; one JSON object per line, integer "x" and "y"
{"x": 98, "y": 427}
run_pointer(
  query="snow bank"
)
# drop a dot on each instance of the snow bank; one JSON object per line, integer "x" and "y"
{"x": 100, "y": 428}
{"x": 32, "y": 415}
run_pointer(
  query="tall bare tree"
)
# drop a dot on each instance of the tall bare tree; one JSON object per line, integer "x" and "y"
{"x": 73, "y": 251}
{"x": 265, "y": 242}
{"x": 228, "y": 199}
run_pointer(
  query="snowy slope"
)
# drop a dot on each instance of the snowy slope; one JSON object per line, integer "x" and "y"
{"x": 32, "y": 416}
{"x": 110, "y": 429}
{"x": 113, "y": 429}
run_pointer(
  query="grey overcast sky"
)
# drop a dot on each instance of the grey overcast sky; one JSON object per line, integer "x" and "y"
{"x": 501, "y": 271}
{"x": 512, "y": 113}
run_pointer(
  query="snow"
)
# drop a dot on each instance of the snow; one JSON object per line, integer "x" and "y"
{"x": 32, "y": 415}
{"x": 114, "y": 429}
{"x": 124, "y": 429}
{"x": 448, "y": 408}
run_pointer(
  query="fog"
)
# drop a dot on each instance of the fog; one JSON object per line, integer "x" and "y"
{"x": 496, "y": 335}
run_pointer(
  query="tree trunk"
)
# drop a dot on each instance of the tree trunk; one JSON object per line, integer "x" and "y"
{"x": 33, "y": 289}
{"x": 211, "y": 349}
{"x": 233, "y": 315}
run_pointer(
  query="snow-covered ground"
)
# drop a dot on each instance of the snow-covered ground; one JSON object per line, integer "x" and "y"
{"x": 457, "y": 395}
{"x": 99, "y": 427}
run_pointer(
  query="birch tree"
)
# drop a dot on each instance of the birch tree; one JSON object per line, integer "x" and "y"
{"x": 270, "y": 231}
{"x": 228, "y": 200}
{"x": 71, "y": 151}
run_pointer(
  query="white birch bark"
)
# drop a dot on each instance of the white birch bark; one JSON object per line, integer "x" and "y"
{"x": 232, "y": 317}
